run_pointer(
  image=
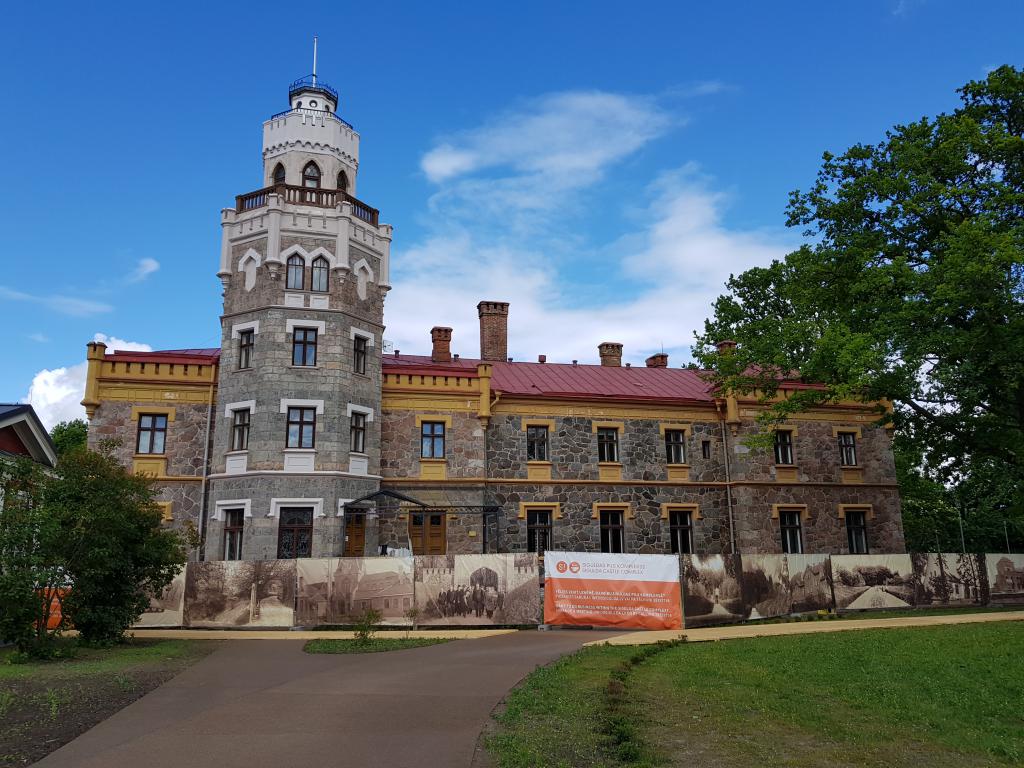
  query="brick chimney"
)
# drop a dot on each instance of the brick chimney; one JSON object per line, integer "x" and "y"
{"x": 441, "y": 341}
{"x": 611, "y": 353}
{"x": 727, "y": 346}
{"x": 658, "y": 360}
{"x": 493, "y": 330}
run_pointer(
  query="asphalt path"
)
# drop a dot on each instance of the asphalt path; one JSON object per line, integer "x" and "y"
{"x": 267, "y": 703}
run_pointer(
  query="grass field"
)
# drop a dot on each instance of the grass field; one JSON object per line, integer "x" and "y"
{"x": 934, "y": 696}
{"x": 373, "y": 645}
{"x": 46, "y": 704}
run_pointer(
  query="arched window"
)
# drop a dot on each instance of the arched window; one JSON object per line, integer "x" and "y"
{"x": 311, "y": 175}
{"x": 279, "y": 174}
{"x": 296, "y": 273}
{"x": 343, "y": 181}
{"x": 320, "y": 271}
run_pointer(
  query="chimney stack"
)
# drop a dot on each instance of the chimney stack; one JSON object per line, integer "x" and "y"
{"x": 441, "y": 344}
{"x": 726, "y": 347}
{"x": 493, "y": 330}
{"x": 611, "y": 353}
{"x": 658, "y": 360}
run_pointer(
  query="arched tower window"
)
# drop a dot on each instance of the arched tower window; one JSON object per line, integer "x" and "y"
{"x": 321, "y": 270}
{"x": 296, "y": 273}
{"x": 343, "y": 181}
{"x": 311, "y": 175}
{"x": 279, "y": 174}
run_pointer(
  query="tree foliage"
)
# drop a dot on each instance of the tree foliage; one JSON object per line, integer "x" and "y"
{"x": 70, "y": 436}
{"x": 910, "y": 289}
{"x": 91, "y": 526}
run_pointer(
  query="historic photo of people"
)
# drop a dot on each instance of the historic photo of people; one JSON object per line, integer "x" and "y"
{"x": 341, "y": 590}
{"x": 470, "y": 590}
{"x": 945, "y": 578}
{"x": 865, "y": 582}
{"x": 167, "y": 608}
{"x": 778, "y": 585}
{"x": 712, "y": 590}
{"x": 240, "y": 593}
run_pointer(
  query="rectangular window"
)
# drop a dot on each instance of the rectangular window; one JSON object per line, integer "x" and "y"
{"x": 675, "y": 446}
{"x": 295, "y": 533}
{"x": 432, "y": 440}
{"x": 680, "y": 528}
{"x": 152, "y": 433}
{"x": 611, "y": 530}
{"x": 359, "y": 354}
{"x": 857, "y": 531}
{"x": 240, "y": 430}
{"x": 536, "y": 444}
{"x": 357, "y": 432}
{"x": 246, "y": 342}
{"x": 304, "y": 346}
{"x": 848, "y": 449}
{"x": 538, "y": 530}
{"x": 234, "y": 523}
{"x": 705, "y": 449}
{"x": 607, "y": 444}
{"x": 301, "y": 427}
{"x": 789, "y": 522}
{"x": 783, "y": 447}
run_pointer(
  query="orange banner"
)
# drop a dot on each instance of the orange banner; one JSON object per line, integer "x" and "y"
{"x": 604, "y": 590}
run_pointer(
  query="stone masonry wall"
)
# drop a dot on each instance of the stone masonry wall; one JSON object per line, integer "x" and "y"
{"x": 400, "y": 444}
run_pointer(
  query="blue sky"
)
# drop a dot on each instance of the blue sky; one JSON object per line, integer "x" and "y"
{"x": 602, "y": 166}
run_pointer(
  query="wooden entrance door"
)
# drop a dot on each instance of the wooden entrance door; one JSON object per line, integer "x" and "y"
{"x": 427, "y": 532}
{"x": 355, "y": 534}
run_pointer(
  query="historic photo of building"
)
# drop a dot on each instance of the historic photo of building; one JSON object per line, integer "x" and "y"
{"x": 945, "y": 578}
{"x": 471, "y": 590}
{"x": 1006, "y": 578}
{"x": 343, "y": 590}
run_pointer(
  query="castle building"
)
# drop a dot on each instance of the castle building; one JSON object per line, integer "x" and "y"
{"x": 301, "y": 437}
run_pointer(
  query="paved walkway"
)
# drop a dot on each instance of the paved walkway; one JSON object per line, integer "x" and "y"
{"x": 309, "y": 634}
{"x": 260, "y": 703}
{"x": 736, "y": 631}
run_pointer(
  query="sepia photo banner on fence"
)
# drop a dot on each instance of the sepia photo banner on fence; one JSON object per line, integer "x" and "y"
{"x": 612, "y": 590}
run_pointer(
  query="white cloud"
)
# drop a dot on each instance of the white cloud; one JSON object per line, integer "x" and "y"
{"x": 56, "y": 394}
{"x": 39, "y": 338}
{"x": 65, "y": 305}
{"x": 143, "y": 269}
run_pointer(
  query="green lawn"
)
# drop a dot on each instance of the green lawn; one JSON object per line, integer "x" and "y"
{"x": 373, "y": 645}
{"x": 935, "y": 696}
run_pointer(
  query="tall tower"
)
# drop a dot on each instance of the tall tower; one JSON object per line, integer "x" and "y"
{"x": 304, "y": 266}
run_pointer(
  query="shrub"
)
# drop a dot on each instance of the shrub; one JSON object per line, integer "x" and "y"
{"x": 367, "y": 625}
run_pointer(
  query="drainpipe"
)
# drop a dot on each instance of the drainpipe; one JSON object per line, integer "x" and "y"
{"x": 728, "y": 486}
{"x": 206, "y": 472}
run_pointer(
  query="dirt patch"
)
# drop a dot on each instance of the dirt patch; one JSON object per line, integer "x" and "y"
{"x": 44, "y": 711}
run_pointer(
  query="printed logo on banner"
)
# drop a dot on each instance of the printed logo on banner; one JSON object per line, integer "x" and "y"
{"x": 613, "y": 590}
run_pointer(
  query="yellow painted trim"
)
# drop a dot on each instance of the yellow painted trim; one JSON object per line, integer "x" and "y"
{"x": 529, "y": 421}
{"x": 153, "y": 410}
{"x": 680, "y": 472}
{"x": 432, "y": 418}
{"x": 433, "y": 469}
{"x": 671, "y": 506}
{"x": 483, "y": 371}
{"x": 607, "y": 425}
{"x": 601, "y": 506}
{"x": 836, "y": 431}
{"x": 853, "y": 475}
{"x": 787, "y": 428}
{"x": 856, "y": 507}
{"x": 786, "y": 473}
{"x": 538, "y": 470}
{"x": 609, "y": 470}
{"x": 166, "y": 507}
{"x": 631, "y": 483}
{"x": 152, "y": 465}
{"x": 674, "y": 427}
{"x": 554, "y": 506}
{"x": 426, "y": 402}
{"x": 802, "y": 508}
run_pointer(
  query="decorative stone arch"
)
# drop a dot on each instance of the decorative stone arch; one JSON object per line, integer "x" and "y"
{"x": 248, "y": 265}
{"x": 363, "y": 275}
{"x": 307, "y": 256}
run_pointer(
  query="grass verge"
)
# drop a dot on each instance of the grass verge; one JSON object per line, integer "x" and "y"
{"x": 45, "y": 704}
{"x": 373, "y": 645}
{"x": 936, "y": 696}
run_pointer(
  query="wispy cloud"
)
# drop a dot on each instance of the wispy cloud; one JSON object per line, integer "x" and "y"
{"x": 143, "y": 269}
{"x": 65, "y": 305}
{"x": 39, "y": 338}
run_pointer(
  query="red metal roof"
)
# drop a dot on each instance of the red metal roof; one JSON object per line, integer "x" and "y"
{"x": 570, "y": 381}
{"x": 185, "y": 356}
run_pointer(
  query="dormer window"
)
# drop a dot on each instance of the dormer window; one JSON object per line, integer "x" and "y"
{"x": 279, "y": 174}
{"x": 311, "y": 176}
{"x": 343, "y": 181}
{"x": 296, "y": 273}
{"x": 321, "y": 269}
